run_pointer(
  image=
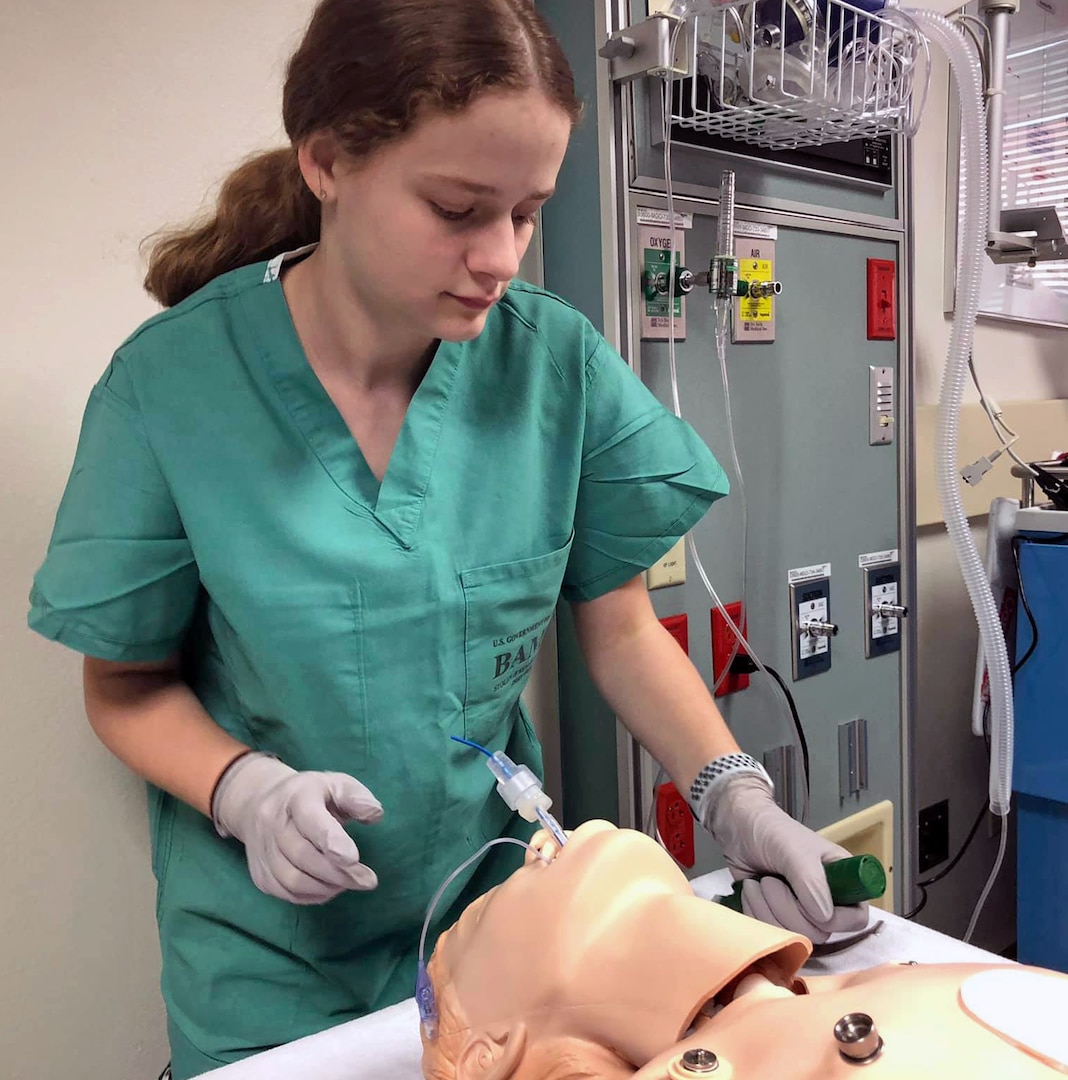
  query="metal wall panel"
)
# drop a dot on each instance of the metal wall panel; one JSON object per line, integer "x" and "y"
{"x": 817, "y": 491}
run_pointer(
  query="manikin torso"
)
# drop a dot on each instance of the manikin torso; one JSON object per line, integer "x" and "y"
{"x": 608, "y": 950}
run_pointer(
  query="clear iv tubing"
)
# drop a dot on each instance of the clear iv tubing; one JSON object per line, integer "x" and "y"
{"x": 722, "y": 329}
{"x": 967, "y": 71}
{"x": 722, "y": 310}
{"x": 424, "y": 992}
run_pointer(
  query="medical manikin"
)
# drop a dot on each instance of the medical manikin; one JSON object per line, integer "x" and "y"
{"x": 603, "y": 963}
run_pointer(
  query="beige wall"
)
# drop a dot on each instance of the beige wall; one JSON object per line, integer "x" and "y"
{"x": 1016, "y": 364}
{"x": 116, "y": 117}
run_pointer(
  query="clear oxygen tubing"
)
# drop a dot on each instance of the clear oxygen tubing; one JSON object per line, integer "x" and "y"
{"x": 723, "y": 326}
{"x": 989, "y": 881}
{"x": 722, "y": 329}
{"x": 424, "y": 991}
{"x": 967, "y": 71}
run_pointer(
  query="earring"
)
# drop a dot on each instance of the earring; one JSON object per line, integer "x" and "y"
{"x": 322, "y": 190}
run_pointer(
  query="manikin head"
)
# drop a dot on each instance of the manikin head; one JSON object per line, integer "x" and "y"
{"x": 590, "y": 965}
{"x": 604, "y": 964}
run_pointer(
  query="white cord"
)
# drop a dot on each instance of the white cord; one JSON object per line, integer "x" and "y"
{"x": 994, "y": 415}
{"x": 673, "y": 367}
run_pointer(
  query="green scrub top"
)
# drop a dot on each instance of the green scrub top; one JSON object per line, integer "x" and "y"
{"x": 219, "y": 506}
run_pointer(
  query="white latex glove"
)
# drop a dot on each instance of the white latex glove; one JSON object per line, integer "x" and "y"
{"x": 758, "y": 838}
{"x": 291, "y": 825}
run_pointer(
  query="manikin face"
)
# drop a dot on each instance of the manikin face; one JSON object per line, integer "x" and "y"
{"x": 540, "y": 887}
{"x": 598, "y": 945}
{"x": 607, "y": 943}
{"x": 431, "y": 228}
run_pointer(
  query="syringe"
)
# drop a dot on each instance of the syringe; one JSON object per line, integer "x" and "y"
{"x": 520, "y": 789}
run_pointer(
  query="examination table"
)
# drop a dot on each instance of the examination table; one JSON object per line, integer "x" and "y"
{"x": 386, "y": 1044}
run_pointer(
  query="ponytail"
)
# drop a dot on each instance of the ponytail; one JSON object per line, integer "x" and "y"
{"x": 365, "y": 71}
{"x": 264, "y": 208}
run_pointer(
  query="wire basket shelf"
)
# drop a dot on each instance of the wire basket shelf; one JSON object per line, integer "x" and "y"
{"x": 791, "y": 73}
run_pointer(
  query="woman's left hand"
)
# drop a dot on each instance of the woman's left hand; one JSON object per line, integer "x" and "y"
{"x": 759, "y": 838}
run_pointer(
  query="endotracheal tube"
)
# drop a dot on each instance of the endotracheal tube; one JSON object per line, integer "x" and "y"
{"x": 521, "y": 790}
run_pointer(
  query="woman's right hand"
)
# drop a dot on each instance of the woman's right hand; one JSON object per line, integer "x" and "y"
{"x": 291, "y": 825}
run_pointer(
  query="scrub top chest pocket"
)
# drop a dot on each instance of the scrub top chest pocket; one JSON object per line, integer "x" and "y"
{"x": 508, "y": 608}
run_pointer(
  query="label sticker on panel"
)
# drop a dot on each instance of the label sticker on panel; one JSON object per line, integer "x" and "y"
{"x": 878, "y": 558}
{"x": 811, "y": 644}
{"x": 655, "y": 246}
{"x": 648, "y": 215}
{"x": 883, "y": 626}
{"x": 809, "y": 573}
{"x": 754, "y": 317}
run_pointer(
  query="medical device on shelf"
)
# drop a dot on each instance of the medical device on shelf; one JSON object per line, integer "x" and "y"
{"x": 782, "y": 73}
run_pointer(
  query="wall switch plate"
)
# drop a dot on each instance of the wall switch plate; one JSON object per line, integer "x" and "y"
{"x": 670, "y": 570}
{"x": 882, "y": 415}
{"x": 810, "y": 600}
{"x": 882, "y": 585}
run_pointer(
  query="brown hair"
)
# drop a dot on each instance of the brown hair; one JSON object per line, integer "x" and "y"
{"x": 365, "y": 71}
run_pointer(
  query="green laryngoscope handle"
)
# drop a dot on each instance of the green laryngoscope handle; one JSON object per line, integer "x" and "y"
{"x": 851, "y": 881}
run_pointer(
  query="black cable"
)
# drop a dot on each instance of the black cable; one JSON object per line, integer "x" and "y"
{"x": 743, "y": 664}
{"x": 920, "y": 906}
{"x": 1059, "y": 539}
{"x": 1022, "y": 593}
{"x": 796, "y": 721}
{"x": 935, "y": 878}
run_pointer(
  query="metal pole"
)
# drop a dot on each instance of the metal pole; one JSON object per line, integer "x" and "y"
{"x": 997, "y": 20}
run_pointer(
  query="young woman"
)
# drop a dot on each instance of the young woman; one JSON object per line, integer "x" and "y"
{"x": 323, "y": 508}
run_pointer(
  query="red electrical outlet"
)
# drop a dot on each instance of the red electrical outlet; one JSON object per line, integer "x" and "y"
{"x": 675, "y": 824}
{"x": 882, "y": 305}
{"x": 723, "y": 646}
{"x": 678, "y": 626}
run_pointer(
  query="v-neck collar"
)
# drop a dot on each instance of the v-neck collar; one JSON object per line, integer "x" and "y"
{"x": 397, "y": 501}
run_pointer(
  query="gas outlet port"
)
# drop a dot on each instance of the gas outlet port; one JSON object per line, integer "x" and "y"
{"x": 811, "y": 626}
{"x": 883, "y": 610}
